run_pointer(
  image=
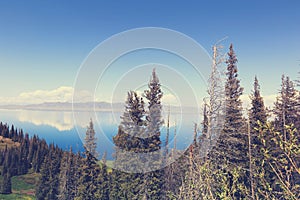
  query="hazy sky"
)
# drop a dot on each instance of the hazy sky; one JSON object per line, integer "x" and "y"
{"x": 43, "y": 43}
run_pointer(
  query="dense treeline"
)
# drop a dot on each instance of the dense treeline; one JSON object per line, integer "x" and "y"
{"x": 240, "y": 154}
{"x": 22, "y": 155}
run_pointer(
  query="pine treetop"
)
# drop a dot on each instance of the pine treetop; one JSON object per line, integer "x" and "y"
{"x": 154, "y": 93}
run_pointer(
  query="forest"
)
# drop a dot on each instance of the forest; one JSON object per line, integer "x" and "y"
{"x": 236, "y": 153}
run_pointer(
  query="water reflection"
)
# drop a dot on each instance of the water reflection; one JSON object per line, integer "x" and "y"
{"x": 60, "y": 128}
{"x": 62, "y": 121}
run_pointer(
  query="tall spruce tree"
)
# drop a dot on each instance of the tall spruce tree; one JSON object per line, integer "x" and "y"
{"x": 6, "y": 184}
{"x": 39, "y": 155}
{"x": 258, "y": 111}
{"x": 5, "y": 187}
{"x": 154, "y": 115}
{"x": 285, "y": 106}
{"x": 257, "y": 118}
{"x": 232, "y": 145}
{"x": 130, "y": 137}
{"x": 104, "y": 179}
{"x": 89, "y": 185}
{"x": 68, "y": 178}
{"x": 232, "y": 142}
{"x": 23, "y": 164}
{"x": 48, "y": 187}
{"x": 154, "y": 180}
{"x": 130, "y": 143}
{"x": 138, "y": 145}
{"x": 63, "y": 177}
{"x": 91, "y": 140}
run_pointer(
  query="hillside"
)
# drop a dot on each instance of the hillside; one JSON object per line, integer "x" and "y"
{"x": 7, "y": 142}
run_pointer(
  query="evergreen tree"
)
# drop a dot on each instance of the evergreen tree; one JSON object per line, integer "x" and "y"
{"x": 130, "y": 138}
{"x": 68, "y": 178}
{"x": 12, "y": 132}
{"x": 63, "y": 176}
{"x": 23, "y": 156}
{"x": 89, "y": 185}
{"x": 138, "y": 145}
{"x": 257, "y": 117}
{"x": 5, "y": 131}
{"x": 42, "y": 188}
{"x": 258, "y": 111}
{"x": 6, "y": 183}
{"x": 104, "y": 179}
{"x": 154, "y": 180}
{"x": 39, "y": 155}
{"x": 130, "y": 143}
{"x": 33, "y": 146}
{"x": 5, "y": 187}
{"x": 154, "y": 116}
{"x": 116, "y": 181}
{"x": 91, "y": 140}
{"x": 48, "y": 187}
{"x": 231, "y": 147}
{"x": 232, "y": 143}
{"x": 76, "y": 172}
{"x": 285, "y": 106}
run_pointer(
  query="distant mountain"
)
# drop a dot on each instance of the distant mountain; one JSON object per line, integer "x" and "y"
{"x": 66, "y": 106}
{"x": 87, "y": 106}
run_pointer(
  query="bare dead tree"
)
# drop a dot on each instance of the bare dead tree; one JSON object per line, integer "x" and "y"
{"x": 215, "y": 101}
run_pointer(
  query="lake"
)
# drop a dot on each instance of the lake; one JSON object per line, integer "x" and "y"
{"x": 59, "y": 127}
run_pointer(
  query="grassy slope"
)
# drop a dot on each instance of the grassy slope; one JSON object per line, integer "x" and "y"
{"x": 109, "y": 164}
{"x": 23, "y": 187}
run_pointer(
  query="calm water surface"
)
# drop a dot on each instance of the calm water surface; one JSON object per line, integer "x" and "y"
{"x": 59, "y": 127}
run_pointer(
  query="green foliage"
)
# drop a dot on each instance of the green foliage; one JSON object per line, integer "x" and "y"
{"x": 89, "y": 183}
{"x": 139, "y": 133}
{"x": 91, "y": 140}
{"x": 232, "y": 145}
{"x": 48, "y": 187}
{"x": 286, "y": 104}
{"x": 104, "y": 179}
{"x": 270, "y": 158}
{"x": 279, "y": 169}
{"x": 232, "y": 142}
{"x": 69, "y": 175}
{"x": 257, "y": 111}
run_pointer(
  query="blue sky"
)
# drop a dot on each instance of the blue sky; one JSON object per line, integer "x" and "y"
{"x": 43, "y": 43}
